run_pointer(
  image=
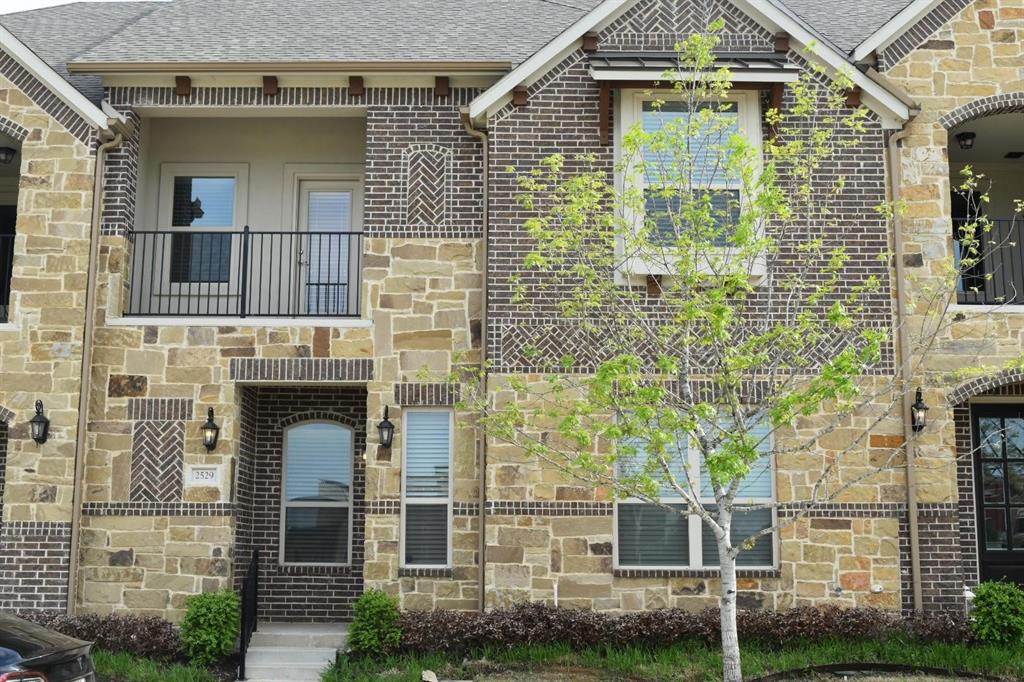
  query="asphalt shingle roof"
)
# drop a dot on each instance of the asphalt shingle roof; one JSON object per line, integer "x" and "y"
{"x": 239, "y": 31}
{"x": 234, "y": 31}
{"x": 846, "y": 23}
{"x": 59, "y": 34}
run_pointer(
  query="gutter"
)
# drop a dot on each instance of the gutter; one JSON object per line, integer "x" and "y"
{"x": 84, "y": 392}
{"x": 113, "y": 68}
{"x": 467, "y": 124}
{"x": 907, "y": 368}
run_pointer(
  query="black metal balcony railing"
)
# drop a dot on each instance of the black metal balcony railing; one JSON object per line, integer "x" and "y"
{"x": 6, "y": 267}
{"x": 245, "y": 274}
{"x": 998, "y": 277}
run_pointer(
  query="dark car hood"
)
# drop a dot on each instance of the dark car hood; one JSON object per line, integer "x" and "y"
{"x": 21, "y": 640}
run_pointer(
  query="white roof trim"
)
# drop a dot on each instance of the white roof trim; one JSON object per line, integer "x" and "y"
{"x": 890, "y": 107}
{"x": 31, "y": 62}
{"x": 737, "y": 76}
{"x": 540, "y": 59}
{"x": 894, "y": 28}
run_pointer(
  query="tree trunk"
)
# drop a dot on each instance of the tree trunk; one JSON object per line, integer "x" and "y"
{"x": 731, "y": 670}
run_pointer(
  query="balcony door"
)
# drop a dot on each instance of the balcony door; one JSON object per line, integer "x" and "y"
{"x": 999, "y": 481}
{"x": 329, "y": 248}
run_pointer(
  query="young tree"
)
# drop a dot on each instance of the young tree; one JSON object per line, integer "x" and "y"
{"x": 718, "y": 312}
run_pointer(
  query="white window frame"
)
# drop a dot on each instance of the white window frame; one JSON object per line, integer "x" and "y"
{"x": 285, "y": 504}
{"x": 432, "y": 501}
{"x": 629, "y": 113}
{"x": 695, "y": 523}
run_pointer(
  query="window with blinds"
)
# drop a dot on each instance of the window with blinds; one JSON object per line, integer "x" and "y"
{"x": 316, "y": 509}
{"x": 426, "y": 486}
{"x": 651, "y": 536}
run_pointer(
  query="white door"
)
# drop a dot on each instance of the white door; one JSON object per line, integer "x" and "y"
{"x": 330, "y": 248}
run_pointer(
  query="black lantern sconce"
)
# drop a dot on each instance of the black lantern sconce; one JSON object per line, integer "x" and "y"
{"x": 966, "y": 140}
{"x": 7, "y": 154}
{"x": 386, "y": 430}
{"x": 40, "y": 425}
{"x": 210, "y": 432}
{"x": 918, "y": 413}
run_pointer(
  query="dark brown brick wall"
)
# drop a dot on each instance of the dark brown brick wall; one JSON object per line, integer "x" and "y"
{"x": 295, "y": 593}
{"x": 34, "y": 558}
{"x": 45, "y": 98}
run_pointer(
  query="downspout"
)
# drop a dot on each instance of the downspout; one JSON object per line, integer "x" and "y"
{"x": 87, "y": 338}
{"x": 481, "y": 135}
{"x": 907, "y": 366}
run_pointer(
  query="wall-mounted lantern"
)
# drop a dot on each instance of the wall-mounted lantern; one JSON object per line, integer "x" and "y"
{"x": 210, "y": 432}
{"x": 7, "y": 154}
{"x": 966, "y": 140}
{"x": 386, "y": 430}
{"x": 918, "y": 413}
{"x": 40, "y": 425}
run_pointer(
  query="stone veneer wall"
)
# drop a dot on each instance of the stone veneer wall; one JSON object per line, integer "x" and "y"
{"x": 422, "y": 265}
{"x": 965, "y": 60}
{"x": 40, "y": 349}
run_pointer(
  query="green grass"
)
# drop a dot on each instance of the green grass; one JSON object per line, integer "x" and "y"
{"x": 127, "y": 668}
{"x": 690, "y": 663}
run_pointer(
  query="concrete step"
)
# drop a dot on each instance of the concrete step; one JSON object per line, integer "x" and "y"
{"x": 314, "y": 635}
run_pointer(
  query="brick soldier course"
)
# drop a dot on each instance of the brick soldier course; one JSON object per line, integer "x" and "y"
{"x": 148, "y": 539}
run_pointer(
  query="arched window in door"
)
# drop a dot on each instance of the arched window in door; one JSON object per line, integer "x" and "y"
{"x": 316, "y": 507}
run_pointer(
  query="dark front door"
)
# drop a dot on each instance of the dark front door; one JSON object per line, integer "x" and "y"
{"x": 8, "y": 217}
{"x": 999, "y": 480}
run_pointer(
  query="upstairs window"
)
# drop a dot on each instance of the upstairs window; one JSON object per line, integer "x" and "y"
{"x": 651, "y": 536}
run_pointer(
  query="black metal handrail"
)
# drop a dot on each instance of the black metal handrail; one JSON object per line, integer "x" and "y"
{"x": 6, "y": 268}
{"x": 250, "y": 609}
{"x": 248, "y": 273}
{"x": 997, "y": 277}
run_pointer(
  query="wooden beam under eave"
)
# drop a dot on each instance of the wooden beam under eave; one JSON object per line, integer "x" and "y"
{"x": 782, "y": 42}
{"x": 605, "y": 113}
{"x": 182, "y": 86}
{"x": 442, "y": 87}
{"x": 853, "y": 97}
{"x": 590, "y": 42}
{"x": 355, "y": 86}
{"x": 270, "y": 86}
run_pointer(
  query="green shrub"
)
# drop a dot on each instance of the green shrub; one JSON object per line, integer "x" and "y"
{"x": 210, "y": 629}
{"x": 999, "y": 613}
{"x": 374, "y": 630}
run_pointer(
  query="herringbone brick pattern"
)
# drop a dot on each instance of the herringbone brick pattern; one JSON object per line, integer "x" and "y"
{"x": 157, "y": 456}
{"x": 426, "y": 189}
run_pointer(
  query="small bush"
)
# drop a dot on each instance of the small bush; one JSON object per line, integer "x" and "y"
{"x": 453, "y": 633}
{"x": 999, "y": 613}
{"x": 210, "y": 628}
{"x": 375, "y": 627}
{"x": 141, "y": 636}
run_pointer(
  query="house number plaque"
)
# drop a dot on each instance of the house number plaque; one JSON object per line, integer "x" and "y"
{"x": 202, "y": 475}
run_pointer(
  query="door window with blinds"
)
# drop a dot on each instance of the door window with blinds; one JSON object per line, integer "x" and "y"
{"x": 650, "y": 536}
{"x": 316, "y": 507}
{"x": 426, "y": 488}
{"x": 329, "y": 248}
{"x": 202, "y": 204}
{"x": 669, "y": 168}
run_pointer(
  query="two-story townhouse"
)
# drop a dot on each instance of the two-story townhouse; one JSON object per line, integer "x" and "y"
{"x": 299, "y": 237}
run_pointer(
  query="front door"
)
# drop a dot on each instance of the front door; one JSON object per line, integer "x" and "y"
{"x": 329, "y": 248}
{"x": 999, "y": 476}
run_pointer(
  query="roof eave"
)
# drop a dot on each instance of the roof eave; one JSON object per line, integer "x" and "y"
{"x": 894, "y": 28}
{"x": 441, "y": 67}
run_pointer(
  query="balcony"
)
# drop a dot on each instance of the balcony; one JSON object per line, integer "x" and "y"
{"x": 245, "y": 274}
{"x": 998, "y": 277}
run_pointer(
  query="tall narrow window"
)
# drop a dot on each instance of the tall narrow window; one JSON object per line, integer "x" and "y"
{"x": 427, "y": 482}
{"x": 316, "y": 515}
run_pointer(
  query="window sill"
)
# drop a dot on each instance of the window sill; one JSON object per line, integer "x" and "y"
{"x": 639, "y": 267}
{"x": 694, "y": 573}
{"x": 315, "y": 569}
{"x": 1002, "y": 308}
{"x": 9, "y": 327}
{"x": 337, "y": 322}
{"x": 414, "y": 572}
